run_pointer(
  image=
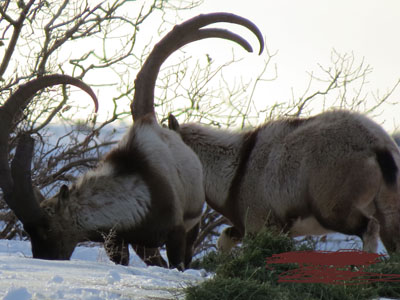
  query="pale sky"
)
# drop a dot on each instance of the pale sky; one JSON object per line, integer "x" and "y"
{"x": 305, "y": 31}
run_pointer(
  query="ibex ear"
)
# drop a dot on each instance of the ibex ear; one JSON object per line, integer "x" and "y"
{"x": 173, "y": 123}
{"x": 64, "y": 192}
{"x": 63, "y": 197}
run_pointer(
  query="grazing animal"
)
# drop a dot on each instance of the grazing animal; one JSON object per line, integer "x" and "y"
{"x": 16, "y": 184}
{"x": 334, "y": 172}
{"x": 148, "y": 191}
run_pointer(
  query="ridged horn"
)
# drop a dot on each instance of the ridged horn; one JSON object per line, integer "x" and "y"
{"x": 181, "y": 35}
{"x": 16, "y": 181}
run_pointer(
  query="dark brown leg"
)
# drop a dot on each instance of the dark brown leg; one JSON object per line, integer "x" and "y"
{"x": 176, "y": 245}
{"x": 190, "y": 239}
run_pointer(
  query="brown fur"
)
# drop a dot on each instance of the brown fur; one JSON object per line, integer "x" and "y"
{"x": 337, "y": 171}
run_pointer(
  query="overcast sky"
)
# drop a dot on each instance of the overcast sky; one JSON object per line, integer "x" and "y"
{"x": 305, "y": 31}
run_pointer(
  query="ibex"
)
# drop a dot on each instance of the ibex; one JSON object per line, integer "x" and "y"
{"x": 17, "y": 188}
{"x": 335, "y": 172}
{"x": 148, "y": 190}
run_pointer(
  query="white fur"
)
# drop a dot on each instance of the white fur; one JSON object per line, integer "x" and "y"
{"x": 120, "y": 203}
{"x": 308, "y": 226}
{"x": 101, "y": 200}
{"x": 221, "y": 163}
{"x": 90, "y": 177}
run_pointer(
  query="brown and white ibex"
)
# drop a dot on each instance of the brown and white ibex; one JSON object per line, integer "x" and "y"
{"x": 335, "y": 172}
{"x": 148, "y": 190}
{"x": 53, "y": 226}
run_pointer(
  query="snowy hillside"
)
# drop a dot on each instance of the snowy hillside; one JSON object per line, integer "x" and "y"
{"x": 89, "y": 275}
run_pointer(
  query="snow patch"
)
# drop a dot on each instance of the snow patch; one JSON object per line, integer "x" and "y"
{"x": 17, "y": 294}
{"x": 113, "y": 277}
{"x": 89, "y": 275}
{"x": 57, "y": 279}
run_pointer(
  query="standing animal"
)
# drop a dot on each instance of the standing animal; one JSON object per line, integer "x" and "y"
{"x": 147, "y": 191}
{"x": 335, "y": 172}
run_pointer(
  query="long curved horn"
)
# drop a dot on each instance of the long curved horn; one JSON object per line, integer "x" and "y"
{"x": 181, "y": 35}
{"x": 16, "y": 181}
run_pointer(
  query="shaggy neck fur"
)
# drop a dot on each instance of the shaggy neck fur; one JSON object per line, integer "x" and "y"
{"x": 224, "y": 156}
{"x": 100, "y": 201}
{"x": 110, "y": 202}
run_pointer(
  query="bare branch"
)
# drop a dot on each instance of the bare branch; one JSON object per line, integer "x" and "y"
{"x": 15, "y": 36}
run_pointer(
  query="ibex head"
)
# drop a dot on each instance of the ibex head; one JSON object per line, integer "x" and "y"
{"x": 52, "y": 237}
{"x": 44, "y": 226}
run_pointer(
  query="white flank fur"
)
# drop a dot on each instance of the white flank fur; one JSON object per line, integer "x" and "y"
{"x": 220, "y": 163}
{"x": 119, "y": 203}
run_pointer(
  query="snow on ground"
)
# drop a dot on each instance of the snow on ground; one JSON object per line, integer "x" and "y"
{"x": 88, "y": 275}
